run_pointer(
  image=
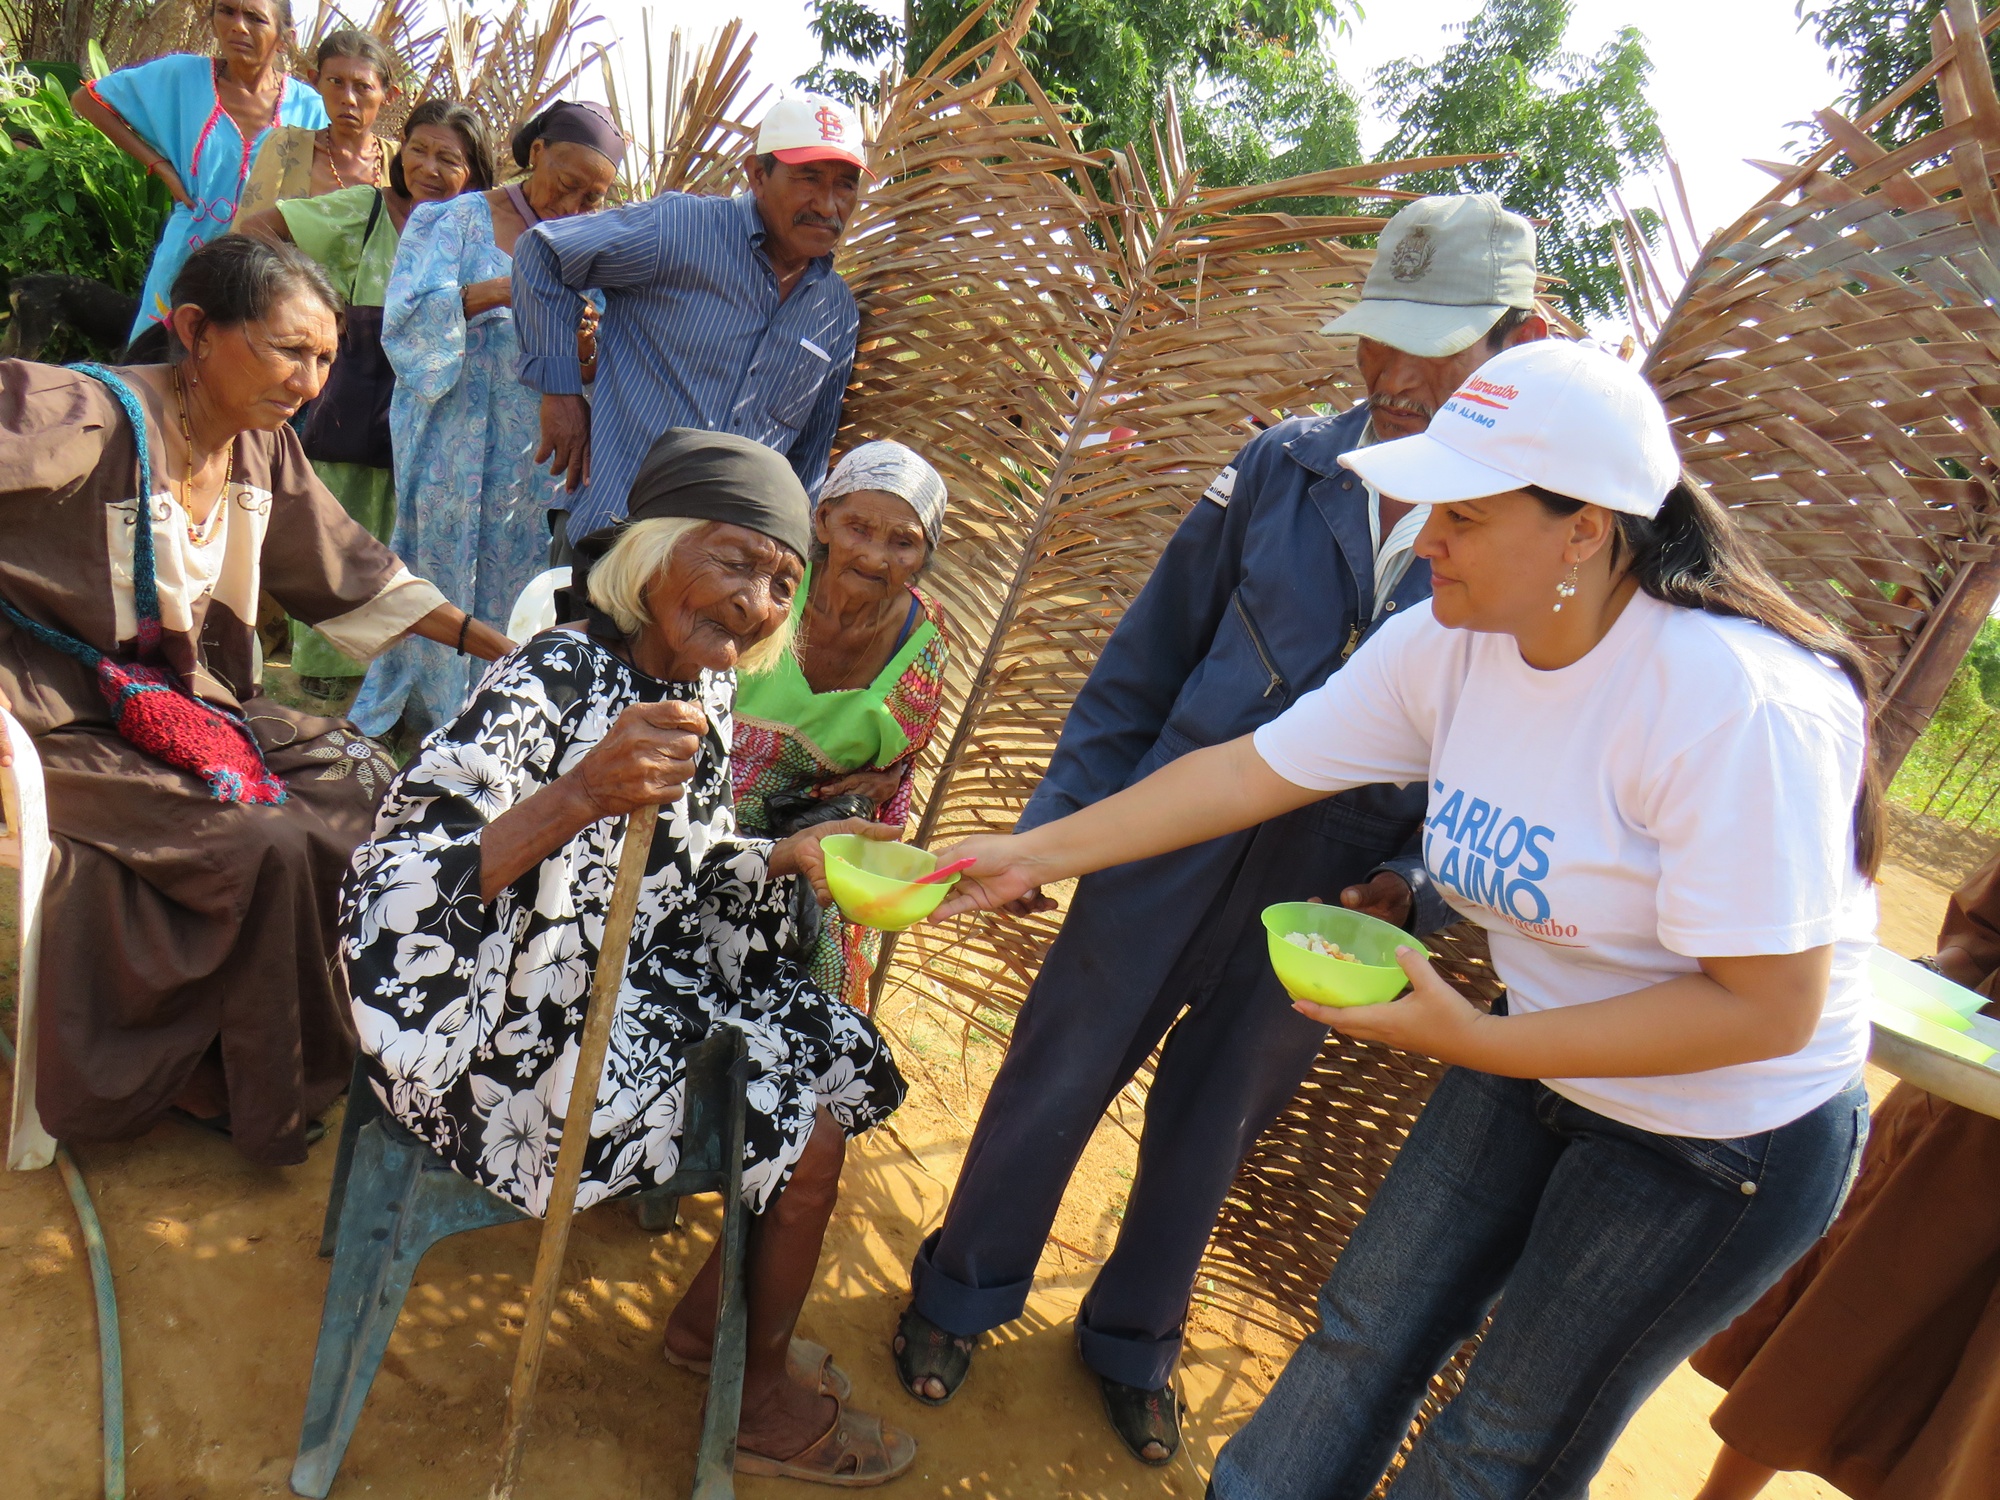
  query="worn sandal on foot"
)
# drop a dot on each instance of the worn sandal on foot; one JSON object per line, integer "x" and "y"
{"x": 925, "y": 1351}
{"x": 804, "y": 1357}
{"x": 1147, "y": 1422}
{"x": 857, "y": 1451}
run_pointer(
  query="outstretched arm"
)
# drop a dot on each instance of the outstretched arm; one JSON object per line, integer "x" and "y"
{"x": 1198, "y": 797}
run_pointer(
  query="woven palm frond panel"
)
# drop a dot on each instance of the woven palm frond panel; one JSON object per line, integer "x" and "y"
{"x": 1831, "y": 369}
{"x": 687, "y": 115}
{"x": 1021, "y": 301}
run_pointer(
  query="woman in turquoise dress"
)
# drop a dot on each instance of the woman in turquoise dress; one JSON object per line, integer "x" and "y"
{"x": 470, "y": 500}
{"x": 196, "y": 123}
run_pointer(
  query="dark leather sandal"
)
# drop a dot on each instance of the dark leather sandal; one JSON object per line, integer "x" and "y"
{"x": 925, "y": 1351}
{"x": 858, "y": 1451}
{"x": 1145, "y": 1420}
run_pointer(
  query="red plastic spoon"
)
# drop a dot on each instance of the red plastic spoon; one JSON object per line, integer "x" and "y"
{"x": 942, "y": 871}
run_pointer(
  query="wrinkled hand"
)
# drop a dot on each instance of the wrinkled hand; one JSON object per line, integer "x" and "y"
{"x": 801, "y": 854}
{"x": 1387, "y": 897}
{"x": 566, "y": 439}
{"x": 1433, "y": 1019}
{"x": 648, "y": 758}
{"x": 1003, "y": 880}
{"x": 877, "y": 786}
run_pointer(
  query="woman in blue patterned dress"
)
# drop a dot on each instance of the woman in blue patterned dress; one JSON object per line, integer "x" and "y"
{"x": 471, "y": 502}
{"x": 196, "y": 122}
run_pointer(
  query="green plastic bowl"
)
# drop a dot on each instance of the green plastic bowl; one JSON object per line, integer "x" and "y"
{"x": 1331, "y": 981}
{"x": 870, "y": 878}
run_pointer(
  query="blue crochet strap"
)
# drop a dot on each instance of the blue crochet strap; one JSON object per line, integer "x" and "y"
{"x": 145, "y": 578}
{"x": 90, "y": 656}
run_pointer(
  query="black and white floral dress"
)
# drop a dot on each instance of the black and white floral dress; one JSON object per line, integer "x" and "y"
{"x": 471, "y": 1013}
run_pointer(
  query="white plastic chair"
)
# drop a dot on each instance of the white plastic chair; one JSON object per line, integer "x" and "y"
{"x": 27, "y": 848}
{"x": 535, "y": 609}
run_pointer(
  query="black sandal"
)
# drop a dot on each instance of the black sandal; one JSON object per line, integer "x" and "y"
{"x": 925, "y": 1351}
{"x": 1144, "y": 1419}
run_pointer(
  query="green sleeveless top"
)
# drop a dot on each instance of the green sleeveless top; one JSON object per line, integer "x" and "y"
{"x": 789, "y": 735}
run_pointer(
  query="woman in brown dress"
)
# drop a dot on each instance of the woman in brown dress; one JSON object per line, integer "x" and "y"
{"x": 1875, "y": 1362}
{"x": 187, "y": 955}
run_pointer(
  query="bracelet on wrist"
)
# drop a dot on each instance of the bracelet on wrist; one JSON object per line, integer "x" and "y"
{"x": 464, "y": 624}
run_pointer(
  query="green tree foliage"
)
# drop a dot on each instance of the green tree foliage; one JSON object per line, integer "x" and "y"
{"x": 70, "y": 201}
{"x": 1260, "y": 95}
{"x": 1983, "y": 661}
{"x": 1576, "y": 124}
{"x": 1875, "y": 45}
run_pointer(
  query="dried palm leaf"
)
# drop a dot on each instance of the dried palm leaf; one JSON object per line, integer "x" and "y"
{"x": 687, "y": 126}
{"x": 511, "y": 68}
{"x": 1831, "y": 369}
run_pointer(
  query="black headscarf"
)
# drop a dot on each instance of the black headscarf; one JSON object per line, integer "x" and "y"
{"x": 711, "y": 476}
{"x": 582, "y": 123}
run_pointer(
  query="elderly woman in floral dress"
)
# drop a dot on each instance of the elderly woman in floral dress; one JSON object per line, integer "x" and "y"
{"x": 472, "y": 919}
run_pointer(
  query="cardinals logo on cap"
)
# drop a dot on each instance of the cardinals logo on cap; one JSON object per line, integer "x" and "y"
{"x": 831, "y": 127}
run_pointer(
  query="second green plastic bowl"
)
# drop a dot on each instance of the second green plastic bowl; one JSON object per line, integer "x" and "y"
{"x": 1306, "y": 975}
{"x": 871, "y": 879}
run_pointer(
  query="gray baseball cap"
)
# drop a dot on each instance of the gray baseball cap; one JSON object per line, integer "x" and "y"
{"x": 1445, "y": 269}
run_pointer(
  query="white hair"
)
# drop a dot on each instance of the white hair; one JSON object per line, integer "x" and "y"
{"x": 619, "y": 581}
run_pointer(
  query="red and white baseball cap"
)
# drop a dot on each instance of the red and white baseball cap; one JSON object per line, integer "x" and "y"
{"x": 1564, "y": 416}
{"x": 812, "y": 127}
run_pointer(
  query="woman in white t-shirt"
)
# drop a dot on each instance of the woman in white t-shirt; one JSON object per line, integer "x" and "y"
{"x": 1648, "y": 783}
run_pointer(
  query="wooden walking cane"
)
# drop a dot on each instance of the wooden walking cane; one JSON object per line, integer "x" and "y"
{"x": 596, "y": 1042}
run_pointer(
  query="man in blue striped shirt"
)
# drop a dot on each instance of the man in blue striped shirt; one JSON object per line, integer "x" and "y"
{"x": 719, "y": 313}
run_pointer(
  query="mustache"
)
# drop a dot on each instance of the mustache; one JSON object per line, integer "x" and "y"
{"x": 805, "y": 219}
{"x": 1404, "y": 408}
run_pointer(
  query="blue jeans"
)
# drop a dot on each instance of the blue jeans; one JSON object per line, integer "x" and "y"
{"x": 1605, "y": 1254}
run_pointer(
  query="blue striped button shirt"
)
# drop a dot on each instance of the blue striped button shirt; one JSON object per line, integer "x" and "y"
{"x": 694, "y": 335}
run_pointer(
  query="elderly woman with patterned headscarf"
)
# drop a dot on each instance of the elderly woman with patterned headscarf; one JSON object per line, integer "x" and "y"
{"x": 470, "y": 926}
{"x": 833, "y": 728}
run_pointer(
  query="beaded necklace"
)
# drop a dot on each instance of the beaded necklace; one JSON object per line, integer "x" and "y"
{"x": 202, "y": 535}
{"x": 374, "y": 164}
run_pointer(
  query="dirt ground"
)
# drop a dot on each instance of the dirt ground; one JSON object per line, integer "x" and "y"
{"x": 219, "y": 1291}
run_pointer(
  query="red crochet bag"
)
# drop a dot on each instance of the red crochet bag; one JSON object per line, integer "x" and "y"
{"x": 150, "y": 706}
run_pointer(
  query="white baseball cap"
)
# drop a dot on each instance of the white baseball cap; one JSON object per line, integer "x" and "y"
{"x": 1564, "y": 416}
{"x": 812, "y": 127}
{"x": 1446, "y": 267}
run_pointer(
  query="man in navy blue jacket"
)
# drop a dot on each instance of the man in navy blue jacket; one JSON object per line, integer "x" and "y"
{"x": 1282, "y": 568}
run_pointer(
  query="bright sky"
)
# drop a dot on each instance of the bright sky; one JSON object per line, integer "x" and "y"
{"x": 1730, "y": 74}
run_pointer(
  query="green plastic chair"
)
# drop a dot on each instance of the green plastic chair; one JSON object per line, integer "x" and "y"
{"x": 393, "y": 1198}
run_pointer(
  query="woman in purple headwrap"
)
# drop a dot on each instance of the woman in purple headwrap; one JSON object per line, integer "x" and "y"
{"x": 469, "y": 498}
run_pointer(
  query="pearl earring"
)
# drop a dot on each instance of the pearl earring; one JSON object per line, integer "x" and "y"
{"x": 1566, "y": 590}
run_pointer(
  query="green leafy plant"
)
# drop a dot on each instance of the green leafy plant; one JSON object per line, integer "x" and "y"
{"x": 70, "y": 201}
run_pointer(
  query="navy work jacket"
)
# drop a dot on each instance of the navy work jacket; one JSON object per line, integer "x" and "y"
{"x": 1254, "y": 602}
